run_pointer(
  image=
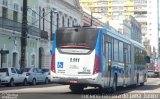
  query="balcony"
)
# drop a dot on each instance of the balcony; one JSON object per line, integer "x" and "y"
{"x": 17, "y": 26}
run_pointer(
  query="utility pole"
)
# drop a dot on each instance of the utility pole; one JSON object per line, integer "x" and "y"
{"x": 57, "y": 20}
{"x": 40, "y": 18}
{"x": 43, "y": 18}
{"x": 91, "y": 18}
{"x": 24, "y": 35}
{"x": 51, "y": 17}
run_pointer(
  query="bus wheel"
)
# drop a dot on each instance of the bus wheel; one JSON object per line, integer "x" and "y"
{"x": 114, "y": 86}
{"x": 76, "y": 88}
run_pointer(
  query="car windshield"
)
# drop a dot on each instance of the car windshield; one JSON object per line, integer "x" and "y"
{"x": 3, "y": 70}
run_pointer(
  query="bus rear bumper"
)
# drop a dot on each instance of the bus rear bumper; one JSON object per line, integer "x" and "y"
{"x": 92, "y": 80}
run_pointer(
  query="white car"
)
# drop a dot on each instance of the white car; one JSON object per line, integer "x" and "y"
{"x": 49, "y": 73}
{"x": 12, "y": 76}
{"x": 35, "y": 75}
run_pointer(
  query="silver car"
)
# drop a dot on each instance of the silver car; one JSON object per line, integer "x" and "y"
{"x": 12, "y": 76}
{"x": 35, "y": 75}
{"x": 49, "y": 73}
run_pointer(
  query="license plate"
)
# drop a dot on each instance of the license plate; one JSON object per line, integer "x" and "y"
{"x": 73, "y": 81}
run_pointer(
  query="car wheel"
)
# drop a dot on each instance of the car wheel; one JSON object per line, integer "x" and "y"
{"x": 11, "y": 83}
{"x": 25, "y": 82}
{"x": 34, "y": 81}
{"x": 46, "y": 81}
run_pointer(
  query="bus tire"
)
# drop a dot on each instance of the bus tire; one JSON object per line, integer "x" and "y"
{"x": 76, "y": 88}
{"x": 137, "y": 83}
{"x": 114, "y": 86}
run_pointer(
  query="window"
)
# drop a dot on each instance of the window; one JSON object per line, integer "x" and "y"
{"x": 15, "y": 16}
{"x": 15, "y": 56}
{"x": 4, "y": 58}
{"x": 121, "y": 51}
{"x": 115, "y": 50}
{"x": 4, "y": 12}
{"x": 129, "y": 54}
{"x": 68, "y": 22}
{"x": 34, "y": 18}
{"x": 33, "y": 60}
{"x": 63, "y": 21}
{"x": 15, "y": 7}
{"x": 5, "y": 2}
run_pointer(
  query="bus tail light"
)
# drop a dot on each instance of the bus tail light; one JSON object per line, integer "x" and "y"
{"x": 53, "y": 63}
{"x": 96, "y": 65}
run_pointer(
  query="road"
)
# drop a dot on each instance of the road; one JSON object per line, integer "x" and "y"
{"x": 151, "y": 90}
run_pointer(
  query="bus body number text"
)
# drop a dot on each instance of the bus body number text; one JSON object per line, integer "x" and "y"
{"x": 74, "y": 59}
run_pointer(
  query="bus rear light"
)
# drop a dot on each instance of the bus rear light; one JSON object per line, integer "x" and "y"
{"x": 53, "y": 63}
{"x": 96, "y": 65}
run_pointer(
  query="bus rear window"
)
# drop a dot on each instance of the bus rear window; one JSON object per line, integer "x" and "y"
{"x": 76, "y": 38}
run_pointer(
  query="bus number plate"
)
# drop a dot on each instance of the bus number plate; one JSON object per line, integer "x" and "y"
{"x": 73, "y": 81}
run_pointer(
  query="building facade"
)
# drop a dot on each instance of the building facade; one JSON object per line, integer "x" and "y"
{"x": 128, "y": 26}
{"x": 10, "y": 34}
{"x": 39, "y": 34}
{"x": 59, "y": 13}
{"x": 140, "y": 9}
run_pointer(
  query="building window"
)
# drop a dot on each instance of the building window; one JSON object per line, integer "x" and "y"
{"x": 5, "y": 3}
{"x": 15, "y": 7}
{"x": 68, "y": 22}
{"x": 15, "y": 59}
{"x": 15, "y": 16}
{"x": 33, "y": 60}
{"x": 63, "y": 21}
{"x": 72, "y": 23}
{"x": 34, "y": 18}
{"x": 4, "y": 59}
{"x": 4, "y": 12}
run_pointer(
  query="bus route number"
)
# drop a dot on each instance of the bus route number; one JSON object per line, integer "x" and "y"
{"x": 74, "y": 59}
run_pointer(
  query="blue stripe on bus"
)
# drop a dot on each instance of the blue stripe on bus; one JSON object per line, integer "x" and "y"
{"x": 54, "y": 44}
{"x": 98, "y": 47}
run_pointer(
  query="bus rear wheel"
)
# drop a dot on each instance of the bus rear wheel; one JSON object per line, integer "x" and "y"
{"x": 76, "y": 88}
{"x": 114, "y": 86}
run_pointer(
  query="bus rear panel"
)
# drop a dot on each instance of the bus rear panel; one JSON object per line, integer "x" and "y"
{"x": 74, "y": 58}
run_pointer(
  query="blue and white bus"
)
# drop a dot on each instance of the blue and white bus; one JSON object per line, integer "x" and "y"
{"x": 98, "y": 57}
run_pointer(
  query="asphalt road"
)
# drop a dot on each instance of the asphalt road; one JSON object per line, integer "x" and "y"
{"x": 151, "y": 90}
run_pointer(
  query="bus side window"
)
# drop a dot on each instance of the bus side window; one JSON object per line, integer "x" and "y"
{"x": 103, "y": 45}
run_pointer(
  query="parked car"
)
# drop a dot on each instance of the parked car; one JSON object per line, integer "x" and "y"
{"x": 35, "y": 75}
{"x": 12, "y": 76}
{"x": 48, "y": 72}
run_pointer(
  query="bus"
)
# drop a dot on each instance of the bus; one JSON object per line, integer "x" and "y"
{"x": 97, "y": 57}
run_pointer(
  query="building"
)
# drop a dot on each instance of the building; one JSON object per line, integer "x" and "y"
{"x": 41, "y": 27}
{"x": 10, "y": 34}
{"x": 92, "y": 19}
{"x": 152, "y": 26}
{"x": 59, "y": 13}
{"x": 140, "y": 9}
{"x": 127, "y": 26}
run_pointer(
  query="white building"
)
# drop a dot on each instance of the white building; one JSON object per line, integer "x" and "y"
{"x": 127, "y": 26}
{"x": 66, "y": 12}
{"x": 152, "y": 25}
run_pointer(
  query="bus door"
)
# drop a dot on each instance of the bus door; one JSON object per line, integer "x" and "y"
{"x": 108, "y": 55}
{"x": 125, "y": 54}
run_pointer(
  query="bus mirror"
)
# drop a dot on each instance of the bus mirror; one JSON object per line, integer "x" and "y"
{"x": 147, "y": 58}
